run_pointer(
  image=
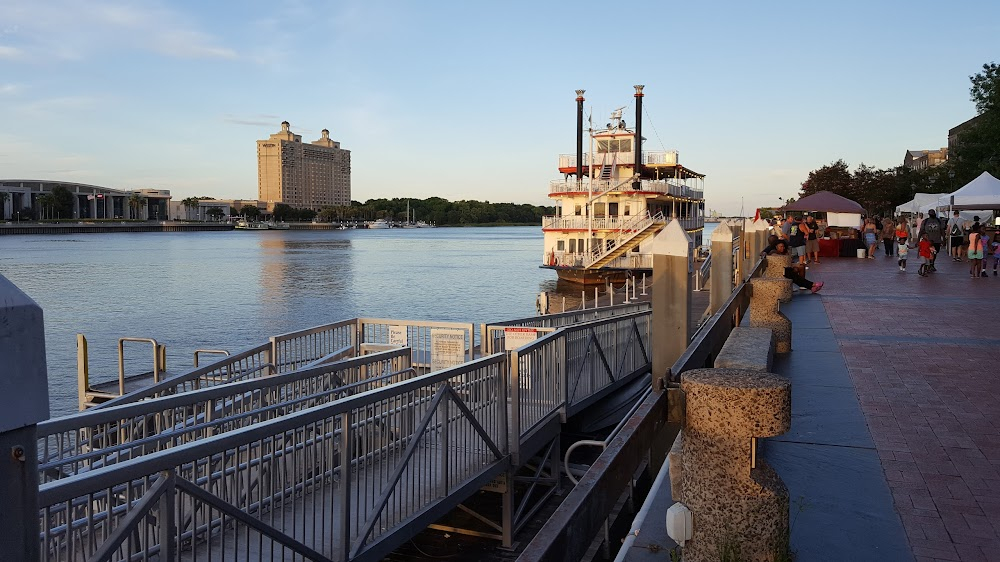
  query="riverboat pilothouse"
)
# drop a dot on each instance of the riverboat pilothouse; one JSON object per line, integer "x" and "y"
{"x": 613, "y": 200}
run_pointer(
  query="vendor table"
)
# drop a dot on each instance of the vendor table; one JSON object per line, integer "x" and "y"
{"x": 849, "y": 247}
{"x": 829, "y": 248}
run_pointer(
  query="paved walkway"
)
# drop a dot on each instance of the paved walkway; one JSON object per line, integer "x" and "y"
{"x": 922, "y": 354}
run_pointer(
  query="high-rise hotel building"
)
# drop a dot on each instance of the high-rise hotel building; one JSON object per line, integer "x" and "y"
{"x": 304, "y": 176}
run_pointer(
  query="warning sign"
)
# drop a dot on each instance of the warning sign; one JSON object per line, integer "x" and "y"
{"x": 516, "y": 337}
{"x": 447, "y": 348}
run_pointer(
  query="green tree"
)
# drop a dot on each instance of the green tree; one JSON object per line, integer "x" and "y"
{"x": 835, "y": 177}
{"x": 189, "y": 203}
{"x": 136, "y": 202}
{"x": 62, "y": 202}
{"x": 46, "y": 205}
{"x": 977, "y": 148}
{"x": 215, "y": 213}
{"x": 250, "y": 212}
{"x": 282, "y": 211}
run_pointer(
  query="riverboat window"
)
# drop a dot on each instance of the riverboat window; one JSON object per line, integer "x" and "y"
{"x": 613, "y": 209}
{"x": 598, "y": 209}
{"x": 561, "y": 245}
{"x": 578, "y": 210}
{"x": 572, "y": 245}
{"x": 614, "y": 145}
{"x": 628, "y": 209}
{"x": 579, "y": 245}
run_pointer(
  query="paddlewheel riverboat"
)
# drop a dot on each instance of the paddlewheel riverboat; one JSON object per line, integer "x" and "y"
{"x": 613, "y": 200}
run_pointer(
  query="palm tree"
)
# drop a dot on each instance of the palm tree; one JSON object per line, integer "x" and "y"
{"x": 45, "y": 203}
{"x": 190, "y": 203}
{"x": 136, "y": 202}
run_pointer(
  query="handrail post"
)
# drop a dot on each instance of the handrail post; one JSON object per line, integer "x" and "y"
{"x": 167, "y": 519}
{"x": 515, "y": 408}
{"x": 22, "y": 345}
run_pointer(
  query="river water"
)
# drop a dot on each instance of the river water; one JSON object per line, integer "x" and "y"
{"x": 231, "y": 290}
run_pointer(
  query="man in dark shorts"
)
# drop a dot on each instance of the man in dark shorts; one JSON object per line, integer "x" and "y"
{"x": 956, "y": 236}
{"x": 812, "y": 240}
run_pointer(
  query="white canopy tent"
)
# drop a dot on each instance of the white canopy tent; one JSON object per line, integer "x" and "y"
{"x": 920, "y": 200}
{"x": 980, "y": 193}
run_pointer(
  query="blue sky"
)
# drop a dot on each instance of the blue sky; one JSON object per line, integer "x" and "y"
{"x": 475, "y": 100}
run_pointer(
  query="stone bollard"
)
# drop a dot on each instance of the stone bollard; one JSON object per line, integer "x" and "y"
{"x": 764, "y": 312}
{"x": 775, "y": 269}
{"x": 737, "y": 501}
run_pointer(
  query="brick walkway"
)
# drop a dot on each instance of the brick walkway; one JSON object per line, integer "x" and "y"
{"x": 923, "y": 353}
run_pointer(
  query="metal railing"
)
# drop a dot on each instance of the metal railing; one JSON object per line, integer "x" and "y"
{"x": 422, "y": 338}
{"x": 666, "y": 187}
{"x": 648, "y": 157}
{"x": 100, "y": 437}
{"x": 331, "y": 482}
{"x": 492, "y": 334}
{"x": 628, "y": 231}
{"x": 703, "y": 274}
{"x": 294, "y": 350}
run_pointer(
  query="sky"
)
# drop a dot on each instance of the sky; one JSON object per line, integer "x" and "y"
{"x": 476, "y": 100}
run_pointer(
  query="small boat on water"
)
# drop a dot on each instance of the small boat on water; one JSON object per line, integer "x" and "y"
{"x": 612, "y": 201}
{"x": 277, "y": 225}
{"x": 377, "y": 224}
{"x": 244, "y": 224}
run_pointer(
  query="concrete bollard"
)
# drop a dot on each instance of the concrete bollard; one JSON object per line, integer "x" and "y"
{"x": 671, "y": 299}
{"x": 775, "y": 269}
{"x": 720, "y": 281}
{"x": 25, "y": 384}
{"x": 737, "y": 500}
{"x": 764, "y": 312}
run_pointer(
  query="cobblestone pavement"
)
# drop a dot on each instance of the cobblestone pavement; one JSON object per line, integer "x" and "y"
{"x": 923, "y": 355}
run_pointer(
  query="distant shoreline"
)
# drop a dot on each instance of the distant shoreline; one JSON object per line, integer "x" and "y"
{"x": 85, "y": 227}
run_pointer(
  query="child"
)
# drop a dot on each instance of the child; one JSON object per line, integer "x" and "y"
{"x": 926, "y": 252}
{"x": 986, "y": 251}
{"x": 902, "y": 235}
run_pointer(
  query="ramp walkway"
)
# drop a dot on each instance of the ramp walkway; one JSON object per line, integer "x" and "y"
{"x": 304, "y": 448}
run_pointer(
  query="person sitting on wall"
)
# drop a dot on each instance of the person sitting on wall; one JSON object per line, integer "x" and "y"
{"x": 778, "y": 246}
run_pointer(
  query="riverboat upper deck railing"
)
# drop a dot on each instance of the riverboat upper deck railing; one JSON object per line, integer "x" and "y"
{"x": 675, "y": 188}
{"x": 649, "y": 158}
{"x": 344, "y": 478}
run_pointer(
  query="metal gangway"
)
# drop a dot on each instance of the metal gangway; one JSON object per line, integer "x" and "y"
{"x": 329, "y": 453}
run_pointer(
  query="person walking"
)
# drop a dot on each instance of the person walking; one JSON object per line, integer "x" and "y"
{"x": 871, "y": 237}
{"x": 955, "y": 236}
{"x": 812, "y": 239}
{"x": 996, "y": 255}
{"x": 926, "y": 251}
{"x": 975, "y": 252}
{"x": 933, "y": 228}
{"x": 902, "y": 235}
{"x": 797, "y": 240}
{"x": 888, "y": 235}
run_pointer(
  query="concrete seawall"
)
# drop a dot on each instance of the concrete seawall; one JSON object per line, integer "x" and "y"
{"x": 91, "y": 228}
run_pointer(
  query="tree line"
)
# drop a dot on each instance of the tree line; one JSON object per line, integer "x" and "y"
{"x": 880, "y": 191}
{"x": 434, "y": 210}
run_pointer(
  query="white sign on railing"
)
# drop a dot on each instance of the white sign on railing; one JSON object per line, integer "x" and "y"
{"x": 447, "y": 348}
{"x": 397, "y": 336}
{"x": 515, "y": 337}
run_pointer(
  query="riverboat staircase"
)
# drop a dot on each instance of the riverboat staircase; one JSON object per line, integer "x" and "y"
{"x": 629, "y": 236}
{"x": 290, "y": 451}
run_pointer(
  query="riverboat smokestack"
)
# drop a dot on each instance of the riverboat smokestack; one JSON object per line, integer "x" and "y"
{"x": 579, "y": 135}
{"x": 638, "y": 135}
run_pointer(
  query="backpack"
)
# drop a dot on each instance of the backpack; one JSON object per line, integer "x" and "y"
{"x": 956, "y": 230}
{"x": 932, "y": 226}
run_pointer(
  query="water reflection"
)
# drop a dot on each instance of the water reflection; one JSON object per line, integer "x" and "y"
{"x": 300, "y": 276}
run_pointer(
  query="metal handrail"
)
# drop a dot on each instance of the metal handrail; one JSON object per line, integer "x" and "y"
{"x": 121, "y": 361}
{"x": 627, "y": 231}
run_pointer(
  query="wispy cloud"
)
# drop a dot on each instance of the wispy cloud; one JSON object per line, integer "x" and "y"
{"x": 253, "y": 120}
{"x": 10, "y": 53}
{"x": 74, "y": 29}
{"x": 9, "y": 89}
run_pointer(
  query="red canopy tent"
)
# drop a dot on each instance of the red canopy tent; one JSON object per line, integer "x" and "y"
{"x": 825, "y": 201}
